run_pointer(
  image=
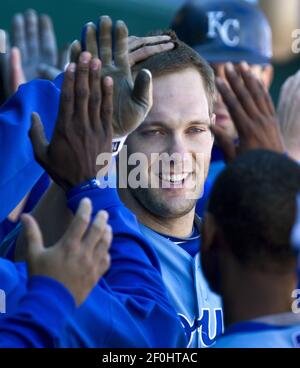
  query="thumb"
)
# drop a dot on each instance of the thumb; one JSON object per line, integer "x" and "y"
{"x": 38, "y": 138}
{"x": 74, "y": 51}
{"x": 33, "y": 236}
{"x": 142, "y": 90}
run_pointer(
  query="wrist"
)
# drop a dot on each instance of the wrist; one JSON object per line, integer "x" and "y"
{"x": 90, "y": 184}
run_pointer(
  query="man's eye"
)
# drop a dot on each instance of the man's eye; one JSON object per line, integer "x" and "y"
{"x": 195, "y": 130}
{"x": 152, "y": 132}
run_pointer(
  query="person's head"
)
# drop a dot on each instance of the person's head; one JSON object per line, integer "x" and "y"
{"x": 178, "y": 126}
{"x": 247, "y": 227}
{"x": 224, "y": 31}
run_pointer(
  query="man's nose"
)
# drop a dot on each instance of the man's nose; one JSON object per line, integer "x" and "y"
{"x": 177, "y": 145}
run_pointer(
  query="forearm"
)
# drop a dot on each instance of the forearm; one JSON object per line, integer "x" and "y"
{"x": 53, "y": 217}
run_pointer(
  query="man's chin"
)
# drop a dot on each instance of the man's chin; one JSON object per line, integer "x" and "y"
{"x": 171, "y": 206}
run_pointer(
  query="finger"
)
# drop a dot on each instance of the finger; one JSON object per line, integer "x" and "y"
{"x": 147, "y": 51}
{"x": 18, "y": 35}
{"x": 49, "y": 72}
{"x": 64, "y": 57}
{"x": 66, "y": 105}
{"x": 32, "y": 34}
{"x": 38, "y": 138}
{"x": 89, "y": 39}
{"x": 224, "y": 142}
{"x": 268, "y": 101}
{"x": 47, "y": 41}
{"x": 121, "y": 49}
{"x": 241, "y": 92}
{"x": 138, "y": 42}
{"x": 75, "y": 51}
{"x": 33, "y": 236}
{"x": 237, "y": 113}
{"x": 102, "y": 247}
{"x": 95, "y": 93}
{"x": 107, "y": 106}
{"x": 142, "y": 90}
{"x": 80, "y": 223}
{"x": 95, "y": 231}
{"x": 82, "y": 91}
{"x": 105, "y": 40}
{"x": 17, "y": 76}
{"x": 255, "y": 88}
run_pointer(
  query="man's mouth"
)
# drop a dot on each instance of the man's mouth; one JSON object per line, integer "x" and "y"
{"x": 174, "y": 179}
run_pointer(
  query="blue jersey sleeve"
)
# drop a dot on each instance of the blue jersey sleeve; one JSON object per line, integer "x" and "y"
{"x": 19, "y": 171}
{"x": 40, "y": 315}
{"x": 134, "y": 280}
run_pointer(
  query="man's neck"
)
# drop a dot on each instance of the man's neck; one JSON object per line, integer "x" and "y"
{"x": 257, "y": 296}
{"x": 180, "y": 227}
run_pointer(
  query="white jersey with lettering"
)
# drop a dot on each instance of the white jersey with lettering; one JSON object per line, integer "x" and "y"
{"x": 277, "y": 331}
{"x": 199, "y": 309}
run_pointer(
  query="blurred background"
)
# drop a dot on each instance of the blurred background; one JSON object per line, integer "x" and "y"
{"x": 143, "y": 16}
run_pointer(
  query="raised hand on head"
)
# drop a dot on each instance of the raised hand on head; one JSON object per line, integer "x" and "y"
{"x": 132, "y": 94}
{"x": 252, "y": 112}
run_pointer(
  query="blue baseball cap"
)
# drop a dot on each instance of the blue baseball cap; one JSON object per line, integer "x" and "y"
{"x": 225, "y": 30}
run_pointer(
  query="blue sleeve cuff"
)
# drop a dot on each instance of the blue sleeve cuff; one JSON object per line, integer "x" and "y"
{"x": 102, "y": 198}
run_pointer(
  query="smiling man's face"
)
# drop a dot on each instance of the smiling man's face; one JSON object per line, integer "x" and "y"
{"x": 178, "y": 125}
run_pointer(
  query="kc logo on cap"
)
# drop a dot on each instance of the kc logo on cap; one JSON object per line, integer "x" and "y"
{"x": 227, "y": 29}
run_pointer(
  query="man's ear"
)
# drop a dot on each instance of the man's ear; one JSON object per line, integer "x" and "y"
{"x": 208, "y": 231}
{"x": 267, "y": 76}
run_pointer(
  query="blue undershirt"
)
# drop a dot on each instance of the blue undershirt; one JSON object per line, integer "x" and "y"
{"x": 190, "y": 244}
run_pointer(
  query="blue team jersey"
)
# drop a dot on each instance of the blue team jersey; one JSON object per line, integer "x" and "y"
{"x": 282, "y": 332}
{"x": 199, "y": 309}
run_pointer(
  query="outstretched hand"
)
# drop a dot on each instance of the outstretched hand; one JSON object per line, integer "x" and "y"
{"x": 34, "y": 36}
{"x": 83, "y": 128}
{"x": 79, "y": 258}
{"x": 132, "y": 98}
{"x": 33, "y": 54}
{"x": 252, "y": 112}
